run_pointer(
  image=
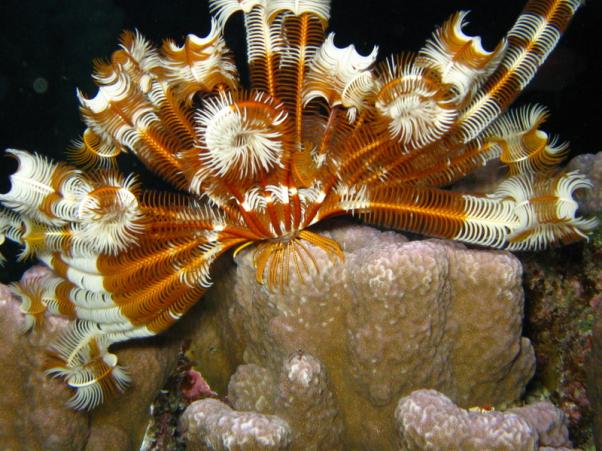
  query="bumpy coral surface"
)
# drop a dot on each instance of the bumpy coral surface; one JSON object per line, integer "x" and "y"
{"x": 33, "y": 411}
{"x": 211, "y": 424}
{"x": 32, "y": 407}
{"x": 427, "y": 419}
{"x": 344, "y": 345}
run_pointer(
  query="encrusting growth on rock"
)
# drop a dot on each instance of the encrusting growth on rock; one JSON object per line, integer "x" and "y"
{"x": 321, "y": 132}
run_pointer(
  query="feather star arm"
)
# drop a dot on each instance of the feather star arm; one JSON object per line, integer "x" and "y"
{"x": 128, "y": 263}
{"x": 530, "y": 41}
{"x": 322, "y": 131}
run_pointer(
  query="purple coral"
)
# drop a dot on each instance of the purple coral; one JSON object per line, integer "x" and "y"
{"x": 396, "y": 316}
{"x": 427, "y": 419}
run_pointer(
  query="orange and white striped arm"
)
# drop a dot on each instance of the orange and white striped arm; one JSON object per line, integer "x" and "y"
{"x": 127, "y": 263}
{"x": 525, "y": 212}
{"x": 530, "y": 41}
{"x": 515, "y": 138}
{"x": 144, "y": 97}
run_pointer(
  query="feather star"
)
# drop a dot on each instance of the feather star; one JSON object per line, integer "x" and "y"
{"x": 323, "y": 131}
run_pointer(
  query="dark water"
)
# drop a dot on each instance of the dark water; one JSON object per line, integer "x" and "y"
{"x": 48, "y": 48}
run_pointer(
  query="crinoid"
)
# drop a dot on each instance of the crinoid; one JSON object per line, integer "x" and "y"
{"x": 322, "y": 131}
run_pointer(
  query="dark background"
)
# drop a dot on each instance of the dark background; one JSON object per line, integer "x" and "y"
{"x": 54, "y": 43}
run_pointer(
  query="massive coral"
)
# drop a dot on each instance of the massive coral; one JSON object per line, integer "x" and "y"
{"x": 33, "y": 408}
{"x": 344, "y": 345}
{"x": 426, "y": 419}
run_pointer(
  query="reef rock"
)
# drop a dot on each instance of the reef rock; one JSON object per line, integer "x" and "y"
{"x": 426, "y": 419}
{"x": 332, "y": 355}
{"x": 33, "y": 414}
{"x": 594, "y": 390}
